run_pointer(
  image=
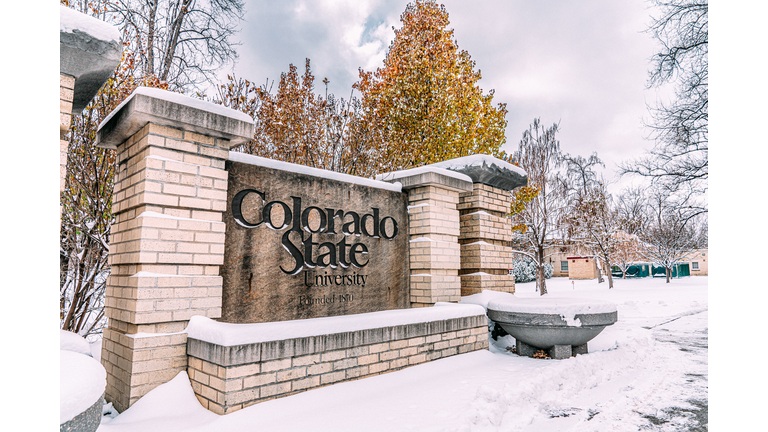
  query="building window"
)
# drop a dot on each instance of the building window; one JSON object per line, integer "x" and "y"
{"x": 695, "y": 265}
{"x": 564, "y": 266}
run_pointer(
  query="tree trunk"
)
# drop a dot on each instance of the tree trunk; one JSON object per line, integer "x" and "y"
{"x": 668, "y": 272}
{"x": 609, "y": 271}
{"x": 599, "y": 270}
{"x": 541, "y": 281}
{"x": 173, "y": 40}
{"x": 610, "y": 279}
{"x": 150, "y": 67}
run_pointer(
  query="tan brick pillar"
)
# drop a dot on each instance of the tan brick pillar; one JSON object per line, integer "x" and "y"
{"x": 485, "y": 233}
{"x": 167, "y": 242}
{"x": 433, "y": 194}
{"x": 66, "y": 95}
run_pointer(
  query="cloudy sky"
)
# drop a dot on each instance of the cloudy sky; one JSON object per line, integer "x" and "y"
{"x": 583, "y": 64}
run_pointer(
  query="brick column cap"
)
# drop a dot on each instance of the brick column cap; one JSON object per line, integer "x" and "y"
{"x": 487, "y": 170}
{"x": 89, "y": 51}
{"x": 429, "y": 175}
{"x": 174, "y": 110}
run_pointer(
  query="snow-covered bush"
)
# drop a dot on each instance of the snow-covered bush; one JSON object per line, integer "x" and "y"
{"x": 524, "y": 270}
{"x": 548, "y": 270}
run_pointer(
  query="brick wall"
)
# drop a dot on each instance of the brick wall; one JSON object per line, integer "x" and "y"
{"x": 701, "y": 257}
{"x": 226, "y": 379}
{"x": 582, "y": 268}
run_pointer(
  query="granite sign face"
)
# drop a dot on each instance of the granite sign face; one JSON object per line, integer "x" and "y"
{"x": 304, "y": 246}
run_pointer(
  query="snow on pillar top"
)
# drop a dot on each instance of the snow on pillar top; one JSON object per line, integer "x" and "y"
{"x": 89, "y": 51}
{"x": 487, "y": 170}
{"x": 429, "y": 175}
{"x": 174, "y": 110}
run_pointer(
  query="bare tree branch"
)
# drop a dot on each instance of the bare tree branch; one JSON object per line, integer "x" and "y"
{"x": 679, "y": 159}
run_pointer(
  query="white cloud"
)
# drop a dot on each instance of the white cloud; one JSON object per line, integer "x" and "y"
{"x": 583, "y": 64}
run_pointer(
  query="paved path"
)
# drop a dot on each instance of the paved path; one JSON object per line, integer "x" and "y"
{"x": 689, "y": 333}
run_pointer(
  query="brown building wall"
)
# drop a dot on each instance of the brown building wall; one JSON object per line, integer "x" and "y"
{"x": 582, "y": 268}
{"x": 560, "y": 254}
{"x": 699, "y": 263}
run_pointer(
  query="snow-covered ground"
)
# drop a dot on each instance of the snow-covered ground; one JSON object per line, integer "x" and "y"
{"x": 649, "y": 371}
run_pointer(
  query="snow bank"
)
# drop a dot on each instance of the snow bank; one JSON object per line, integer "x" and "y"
{"x": 95, "y": 348}
{"x": 228, "y": 334}
{"x": 69, "y": 341}
{"x": 71, "y": 20}
{"x": 317, "y": 172}
{"x": 82, "y": 380}
{"x": 486, "y": 296}
{"x": 627, "y": 377}
{"x": 163, "y": 407}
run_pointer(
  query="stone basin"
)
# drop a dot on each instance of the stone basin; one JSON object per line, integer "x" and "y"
{"x": 561, "y": 326}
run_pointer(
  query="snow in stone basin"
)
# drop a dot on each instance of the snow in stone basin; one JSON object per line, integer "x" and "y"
{"x": 478, "y": 160}
{"x": 228, "y": 334}
{"x": 82, "y": 382}
{"x": 627, "y": 376}
{"x": 181, "y": 99}
{"x": 71, "y": 20}
{"x": 567, "y": 308}
{"x": 317, "y": 172}
{"x": 69, "y": 341}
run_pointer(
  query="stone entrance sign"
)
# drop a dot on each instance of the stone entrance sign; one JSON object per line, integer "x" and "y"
{"x": 301, "y": 246}
{"x": 202, "y": 231}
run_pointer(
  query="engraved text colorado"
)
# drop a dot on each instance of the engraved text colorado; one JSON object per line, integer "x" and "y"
{"x": 331, "y": 254}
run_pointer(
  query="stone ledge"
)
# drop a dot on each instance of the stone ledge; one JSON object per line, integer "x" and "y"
{"x": 227, "y": 388}
{"x": 272, "y": 350}
{"x": 173, "y": 110}
{"x": 429, "y": 176}
{"x": 89, "y": 51}
{"x": 487, "y": 170}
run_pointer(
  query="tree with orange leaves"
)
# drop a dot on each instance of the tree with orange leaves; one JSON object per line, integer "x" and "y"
{"x": 294, "y": 124}
{"x": 425, "y": 99}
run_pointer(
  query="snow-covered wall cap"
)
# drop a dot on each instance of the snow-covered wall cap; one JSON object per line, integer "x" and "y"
{"x": 174, "y": 110}
{"x": 487, "y": 170}
{"x": 317, "y": 172}
{"x": 89, "y": 51}
{"x": 429, "y": 175}
{"x": 71, "y": 21}
{"x": 228, "y": 334}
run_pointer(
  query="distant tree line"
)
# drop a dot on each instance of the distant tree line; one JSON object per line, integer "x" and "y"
{"x": 569, "y": 204}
